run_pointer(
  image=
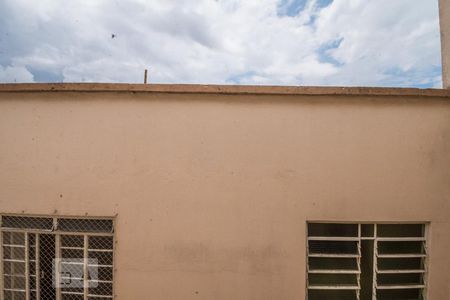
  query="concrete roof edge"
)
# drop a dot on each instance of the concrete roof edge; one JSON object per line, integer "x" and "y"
{"x": 221, "y": 89}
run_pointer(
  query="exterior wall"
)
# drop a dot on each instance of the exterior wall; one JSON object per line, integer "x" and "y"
{"x": 212, "y": 192}
{"x": 444, "y": 16}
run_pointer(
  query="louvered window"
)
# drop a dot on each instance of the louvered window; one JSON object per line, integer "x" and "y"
{"x": 56, "y": 258}
{"x": 366, "y": 261}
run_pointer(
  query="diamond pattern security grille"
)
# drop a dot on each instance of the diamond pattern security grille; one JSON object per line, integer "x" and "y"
{"x": 27, "y": 223}
{"x": 56, "y": 258}
{"x": 366, "y": 261}
{"x": 85, "y": 225}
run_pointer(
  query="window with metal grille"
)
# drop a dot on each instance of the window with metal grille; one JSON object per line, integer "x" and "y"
{"x": 56, "y": 258}
{"x": 366, "y": 261}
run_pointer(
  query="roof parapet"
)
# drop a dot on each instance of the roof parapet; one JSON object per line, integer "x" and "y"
{"x": 220, "y": 89}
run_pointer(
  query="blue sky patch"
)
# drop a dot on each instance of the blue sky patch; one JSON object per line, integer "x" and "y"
{"x": 324, "y": 3}
{"x": 42, "y": 75}
{"x": 413, "y": 77}
{"x": 324, "y": 52}
{"x": 238, "y": 78}
{"x": 291, "y": 8}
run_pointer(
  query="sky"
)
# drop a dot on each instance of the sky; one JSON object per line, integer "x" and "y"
{"x": 392, "y": 43}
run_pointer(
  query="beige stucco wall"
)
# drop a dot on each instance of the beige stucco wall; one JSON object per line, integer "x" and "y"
{"x": 212, "y": 192}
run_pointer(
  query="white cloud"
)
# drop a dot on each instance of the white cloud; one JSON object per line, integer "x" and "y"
{"x": 349, "y": 42}
{"x": 15, "y": 74}
{"x": 386, "y": 39}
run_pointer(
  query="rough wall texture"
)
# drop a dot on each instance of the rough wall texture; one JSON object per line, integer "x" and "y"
{"x": 212, "y": 192}
{"x": 444, "y": 15}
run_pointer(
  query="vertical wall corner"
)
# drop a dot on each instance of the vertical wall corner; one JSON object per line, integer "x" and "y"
{"x": 444, "y": 16}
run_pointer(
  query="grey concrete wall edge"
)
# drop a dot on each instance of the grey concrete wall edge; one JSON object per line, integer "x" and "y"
{"x": 222, "y": 89}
